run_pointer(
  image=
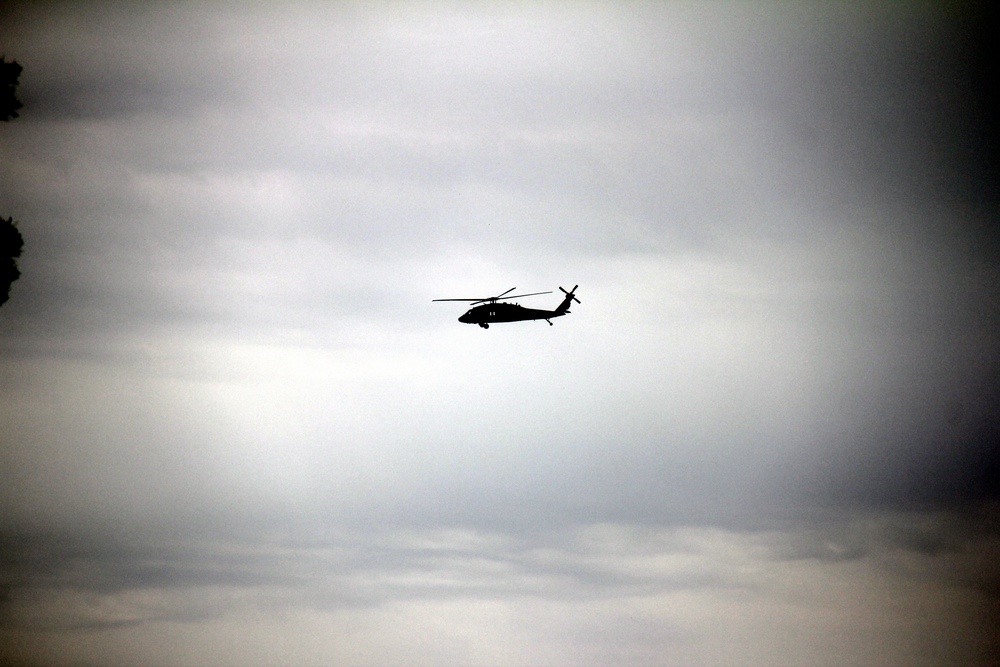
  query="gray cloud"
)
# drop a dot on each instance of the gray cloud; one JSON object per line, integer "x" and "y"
{"x": 230, "y": 405}
{"x": 100, "y": 588}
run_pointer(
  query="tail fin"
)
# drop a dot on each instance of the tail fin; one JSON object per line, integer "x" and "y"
{"x": 564, "y": 306}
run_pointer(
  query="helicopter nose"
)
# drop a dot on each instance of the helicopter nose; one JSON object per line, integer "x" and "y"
{"x": 464, "y": 319}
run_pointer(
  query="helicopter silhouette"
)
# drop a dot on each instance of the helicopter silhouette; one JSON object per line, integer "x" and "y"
{"x": 492, "y": 309}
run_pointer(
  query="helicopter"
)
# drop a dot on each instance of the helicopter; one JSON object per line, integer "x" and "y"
{"x": 492, "y": 309}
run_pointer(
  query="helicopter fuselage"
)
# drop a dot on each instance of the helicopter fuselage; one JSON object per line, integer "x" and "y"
{"x": 490, "y": 313}
{"x": 488, "y": 310}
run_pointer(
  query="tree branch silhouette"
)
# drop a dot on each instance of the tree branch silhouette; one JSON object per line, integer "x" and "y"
{"x": 11, "y": 241}
{"x": 10, "y": 72}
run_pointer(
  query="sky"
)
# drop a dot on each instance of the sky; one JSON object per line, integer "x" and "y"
{"x": 236, "y": 430}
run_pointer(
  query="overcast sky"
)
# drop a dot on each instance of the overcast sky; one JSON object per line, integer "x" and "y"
{"x": 235, "y": 430}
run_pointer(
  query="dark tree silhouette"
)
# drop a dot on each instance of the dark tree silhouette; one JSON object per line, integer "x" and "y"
{"x": 11, "y": 244}
{"x": 11, "y": 241}
{"x": 9, "y": 74}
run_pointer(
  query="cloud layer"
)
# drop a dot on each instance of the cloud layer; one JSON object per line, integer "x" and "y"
{"x": 232, "y": 415}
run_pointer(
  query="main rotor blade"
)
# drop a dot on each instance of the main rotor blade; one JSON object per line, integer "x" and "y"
{"x": 494, "y": 299}
{"x": 482, "y": 299}
{"x": 515, "y": 296}
{"x": 479, "y": 299}
{"x": 499, "y": 297}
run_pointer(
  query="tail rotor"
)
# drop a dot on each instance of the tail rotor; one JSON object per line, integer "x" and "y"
{"x": 569, "y": 294}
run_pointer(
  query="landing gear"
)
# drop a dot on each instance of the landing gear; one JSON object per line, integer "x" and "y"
{"x": 550, "y": 323}
{"x": 484, "y": 325}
